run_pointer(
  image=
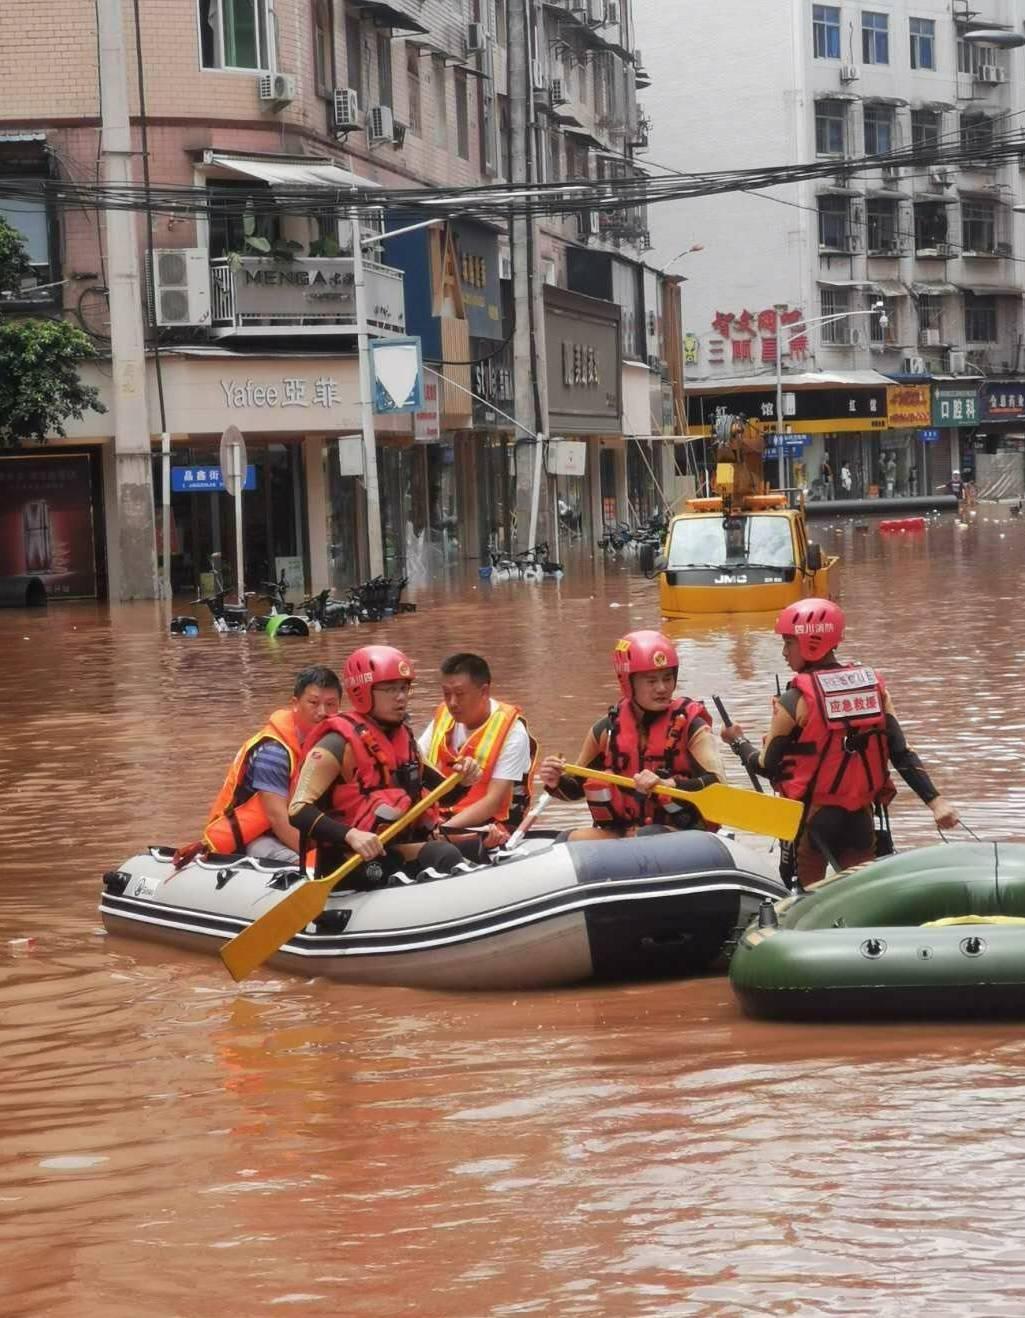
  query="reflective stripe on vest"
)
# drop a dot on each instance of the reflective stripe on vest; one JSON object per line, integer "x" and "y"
{"x": 485, "y": 745}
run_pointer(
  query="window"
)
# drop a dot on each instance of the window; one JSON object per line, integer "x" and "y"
{"x": 322, "y": 47}
{"x": 925, "y": 128}
{"x": 31, "y": 220}
{"x": 830, "y": 123}
{"x": 501, "y": 22}
{"x": 354, "y": 57}
{"x": 973, "y": 58}
{"x": 462, "y": 116}
{"x": 980, "y": 319}
{"x": 976, "y": 133}
{"x": 930, "y": 314}
{"x": 440, "y": 85}
{"x": 834, "y": 302}
{"x": 930, "y": 225}
{"x": 923, "y": 43}
{"x": 834, "y": 215}
{"x": 714, "y": 541}
{"x": 877, "y": 331}
{"x": 878, "y": 130}
{"x": 413, "y": 91}
{"x": 978, "y": 226}
{"x": 384, "y": 82}
{"x": 504, "y": 137}
{"x": 233, "y": 34}
{"x": 825, "y": 30}
{"x": 881, "y": 219}
{"x": 875, "y": 38}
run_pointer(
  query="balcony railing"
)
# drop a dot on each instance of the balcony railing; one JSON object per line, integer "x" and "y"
{"x": 254, "y": 296}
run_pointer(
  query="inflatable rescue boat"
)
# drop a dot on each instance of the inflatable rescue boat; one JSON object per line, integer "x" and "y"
{"x": 634, "y": 908}
{"x": 937, "y": 932}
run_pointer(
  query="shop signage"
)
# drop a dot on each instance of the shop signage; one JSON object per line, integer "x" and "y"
{"x": 291, "y": 391}
{"x": 1003, "y": 400}
{"x": 788, "y": 443}
{"x": 929, "y": 436}
{"x": 314, "y": 289}
{"x": 397, "y": 373}
{"x": 205, "y": 480}
{"x": 477, "y": 263}
{"x": 819, "y": 411}
{"x": 427, "y": 421}
{"x": 46, "y": 522}
{"x": 582, "y": 337}
{"x": 955, "y": 407}
{"x": 908, "y": 406}
{"x": 491, "y": 380}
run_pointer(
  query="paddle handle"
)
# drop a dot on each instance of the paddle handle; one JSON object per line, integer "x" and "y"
{"x": 528, "y": 821}
{"x": 617, "y": 780}
{"x": 727, "y": 722}
{"x": 393, "y": 830}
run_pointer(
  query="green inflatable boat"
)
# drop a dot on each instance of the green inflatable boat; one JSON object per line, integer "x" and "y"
{"x": 937, "y": 932}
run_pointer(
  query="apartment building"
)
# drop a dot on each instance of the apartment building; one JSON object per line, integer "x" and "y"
{"x": 253, "y": 308}
{"x": 938, "y": 247}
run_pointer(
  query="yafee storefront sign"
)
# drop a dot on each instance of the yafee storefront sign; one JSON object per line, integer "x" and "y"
{"x": 908, "y": 406}
{"x": 290, "y": 391}
{"x": 955, "y": 407}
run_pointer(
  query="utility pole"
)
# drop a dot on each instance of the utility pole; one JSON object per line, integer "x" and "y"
{"x": 529, "y": 384}
{"x": 136, "y": 575}
{"x": 375, "y": 539}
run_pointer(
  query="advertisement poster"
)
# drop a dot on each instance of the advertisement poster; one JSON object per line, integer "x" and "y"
{"x": 46, "y": 522}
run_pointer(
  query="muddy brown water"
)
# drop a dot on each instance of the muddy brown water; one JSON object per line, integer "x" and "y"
{"x": 175, "y": 1145}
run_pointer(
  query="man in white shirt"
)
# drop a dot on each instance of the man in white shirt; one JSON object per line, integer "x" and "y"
{"x": 470, "y": 722}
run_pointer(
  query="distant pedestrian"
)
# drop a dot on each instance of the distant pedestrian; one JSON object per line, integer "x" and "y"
{"x": 826, "y": 476}
{"x": 889, "y": 469}
{"x": 846, "y": 479}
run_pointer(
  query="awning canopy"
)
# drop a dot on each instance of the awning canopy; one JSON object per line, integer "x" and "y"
{"x": 889, "y": 288}
{"x": 791, "y": 380}
{"x": 982, "y": 290}
{"x": 847, "y": 283}
{"x": 387, "y": 15}
{"x": 288, "y": 171}
{"x": 940, "y": 289}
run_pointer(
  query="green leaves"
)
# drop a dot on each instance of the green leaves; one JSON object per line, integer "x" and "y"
{"x": 39, "y": 382}
{"x": 14, "y": 262}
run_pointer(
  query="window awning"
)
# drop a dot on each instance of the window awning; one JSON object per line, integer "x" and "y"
{"x": 288, "y": 171}
{"x": 983, "y": 194}
{"x": 888, "y": 194}
{"x": 981, "y": 290}
{"x": 889, "y": 288}
{"x": 835, "y": 190}
{"x": 846, "y": 283}
{"x": 572, "y": 130}
{"x": 386, "y": 15}
{"x": 939, "y": 289}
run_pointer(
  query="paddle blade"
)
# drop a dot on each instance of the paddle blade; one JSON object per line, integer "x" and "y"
{"x": 272, "y": 930}
{"x": 774, "y": 816}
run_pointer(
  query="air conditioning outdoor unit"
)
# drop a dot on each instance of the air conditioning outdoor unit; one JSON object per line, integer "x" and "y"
{"x": 537, "y": 76}
{"x": 849, "y": 73}
{"x": 940, "y": 177}
{"x": 346, "y": 109}
{"x": 987, "y": 73}
{"x": 277, "y": 88}
{"x": 476, "y": 38}
{"x": 956, "y": 362}
{"x": 931, "y": 338}
{"x": 557, "y": 92}
{"x": 946, "y": 250}
{"x": 181, "y": 276}
{"x": 1002, "y": 74}
{"x": 852, "y": 243}
{"x": 1005, "y": 249}
{"x": 380, "y": 125}
{"x": 913, "y": 366}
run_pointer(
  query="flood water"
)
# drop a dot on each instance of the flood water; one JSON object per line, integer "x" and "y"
{"x": 176, "y": 1145}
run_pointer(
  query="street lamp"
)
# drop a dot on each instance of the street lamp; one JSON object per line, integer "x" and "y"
{"x": 878, "y": 307}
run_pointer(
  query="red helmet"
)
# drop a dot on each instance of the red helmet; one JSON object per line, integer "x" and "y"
{"x": 369, "y": 665}
{"x": 817, "y": 624}
{"x": 642, "y": 652}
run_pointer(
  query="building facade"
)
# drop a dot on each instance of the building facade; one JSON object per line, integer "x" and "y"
{"x": 253, "y": 303}
{"x": 938, "y": 247}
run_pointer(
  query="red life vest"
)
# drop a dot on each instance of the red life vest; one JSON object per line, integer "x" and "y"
{"x": 665, "y": 753}
{"x": 485, "y": 745}
{"x": 841, "y": 756}
{"x": 233, "y": 823}
{"x": 387, "y": 776}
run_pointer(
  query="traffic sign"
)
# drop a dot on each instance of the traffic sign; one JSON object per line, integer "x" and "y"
{"x": 233, "y": 460}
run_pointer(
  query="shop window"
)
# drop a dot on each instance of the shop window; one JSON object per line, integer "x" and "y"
{"x": 878, "y": 130}
{"x": 825, "y": 29}
{"x": 836, "y": 302}
{"x": 830, "y": 128}
{"x": 875, "y": 38}
{"x": 980, "y": 319}
{"x": 234, "y": 34}
{"x": 923, "y": 43}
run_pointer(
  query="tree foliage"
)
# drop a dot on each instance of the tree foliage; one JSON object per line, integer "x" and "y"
{"x": 40, "y": 388}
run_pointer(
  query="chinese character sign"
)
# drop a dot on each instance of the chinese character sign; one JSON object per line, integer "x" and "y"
{"x": 752, "y": 335}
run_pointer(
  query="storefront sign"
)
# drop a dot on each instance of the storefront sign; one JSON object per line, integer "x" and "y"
{"x": 397, "y": 374}
{"x": 46, "y": 522}
{"x": 427, "y": 422}
{"x": 317, "y": 288}
{"x": 1005, "y": 400}
{"x": 929, "y": 436}
{"x": 787, "y": 443}
{"x": 291, "y": 391}
{"x": 955, "y": 407}
{"x": 491, "y": 380}
{"x": 205, "y": 480}
{"x": 908, "y": 406}
{"x": 819, "y": 411}
{"x": 584, "y": 365}
{"x": 477, "y": 262}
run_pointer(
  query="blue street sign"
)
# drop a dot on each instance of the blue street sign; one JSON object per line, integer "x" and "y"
{"x": 929, "y": 436}
{"x": 205, "y": 480}
{"x": 790, "y": 444}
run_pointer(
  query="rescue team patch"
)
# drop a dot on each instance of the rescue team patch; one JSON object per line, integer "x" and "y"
{"x": 660, "y": 659}
{"x": 404, "y": 669}
{"x": 865, "y": 704}
{"x": 846, "y": 679}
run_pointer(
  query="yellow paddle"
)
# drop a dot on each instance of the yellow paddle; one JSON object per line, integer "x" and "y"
{"x": 735, "y": 807}
{"x": 271, "y": 931}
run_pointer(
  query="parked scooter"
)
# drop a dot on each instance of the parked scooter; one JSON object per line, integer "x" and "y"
{"x": 283, "y": 618}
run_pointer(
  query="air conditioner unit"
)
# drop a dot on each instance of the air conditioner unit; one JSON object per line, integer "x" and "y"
{"x": 956, "y": 362}
{"x": 940, "y": 178}
{"x": 946, "y": 249}
{"x": 505, "y": 269}
{"x": 1001, "y": 73}
{"x": 612, "y": 13}
{"x": 181, "y": 280}
{"x": 380, "y": 125}
{"x": 931, "y": 338}
{"x": 557, "y": 92}
{"x": 346, "y": 109}
{"x": 849, "y": 73}
{"x": 913, "y": 366}
{"x": 852, "y": 243}
{"x": 1005, "y": 249}
{"x": 476, "y": 38}
{"x": 891, "y": 171}
{"x": 277, "y": 88}
{"x": 857, "y": 337}
{"x": 987, "y": 73}
{"x": 537, "y": 76}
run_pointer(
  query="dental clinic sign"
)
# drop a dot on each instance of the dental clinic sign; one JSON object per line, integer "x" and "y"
{"x": 291, "y": 391}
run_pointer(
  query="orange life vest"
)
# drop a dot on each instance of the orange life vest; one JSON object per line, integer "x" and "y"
{"x": 665, "y": 753}
{"x": 235, "y": 820}
{"x": 387, "y": 776}
{"x": 840, "y": 756}
{"x": 485, "y": 745}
